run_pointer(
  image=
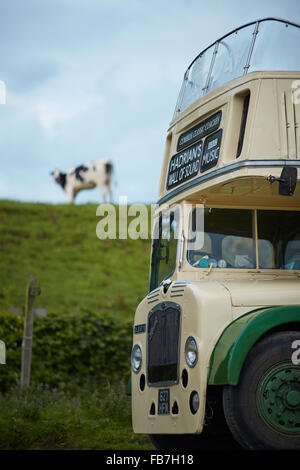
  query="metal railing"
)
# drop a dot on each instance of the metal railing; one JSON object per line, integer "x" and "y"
{"x": 214, "y": 47}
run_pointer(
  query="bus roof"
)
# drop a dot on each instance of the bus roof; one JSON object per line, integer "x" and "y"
{"x": 261, "y": 45}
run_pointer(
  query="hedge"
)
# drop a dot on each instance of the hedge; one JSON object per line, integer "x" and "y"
{"x": 81, "y": 348}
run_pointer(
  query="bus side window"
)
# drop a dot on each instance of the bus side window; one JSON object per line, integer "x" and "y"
{"x": 292, "y": 253}
{"x": 243, "y": 124}
{"x": 278, "y": 239}
{"x": 266, "y": 254}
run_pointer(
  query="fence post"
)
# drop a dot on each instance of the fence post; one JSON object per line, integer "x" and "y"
{"x": 32, "y": 291}
{"x": 2, "y": 352}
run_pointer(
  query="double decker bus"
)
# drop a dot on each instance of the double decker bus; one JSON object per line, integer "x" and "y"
{"x": 216, "y": 344}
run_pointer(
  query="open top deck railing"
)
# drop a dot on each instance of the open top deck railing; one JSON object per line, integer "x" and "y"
{"x": 264, "y": 44}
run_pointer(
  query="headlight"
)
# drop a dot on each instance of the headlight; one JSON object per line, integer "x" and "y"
{"x": 194, "y": 402}
{"x": 191, "y": 351}
{"x": 136, "y": 358}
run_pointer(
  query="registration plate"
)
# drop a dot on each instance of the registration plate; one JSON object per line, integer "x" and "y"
{"x": 164, "y": 401}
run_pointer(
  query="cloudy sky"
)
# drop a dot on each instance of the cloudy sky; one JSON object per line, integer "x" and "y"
{"x": 91, "y": 79}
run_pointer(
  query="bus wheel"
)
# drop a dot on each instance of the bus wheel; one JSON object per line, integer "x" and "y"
{"x": 263, "y": 410}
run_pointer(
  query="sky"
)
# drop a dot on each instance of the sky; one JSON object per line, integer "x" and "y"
{"x": 92, "y": 79}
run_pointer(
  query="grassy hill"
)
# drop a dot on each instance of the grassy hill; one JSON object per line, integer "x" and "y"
{"x": 91, "y": 289}
{"x": 76, "y": 271}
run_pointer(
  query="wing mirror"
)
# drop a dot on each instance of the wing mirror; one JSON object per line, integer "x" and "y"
{"x": 287, "y": 181}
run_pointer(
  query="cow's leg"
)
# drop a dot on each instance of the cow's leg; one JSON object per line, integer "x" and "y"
{"x": 103, "y": 191}
{"x": 109, "y": 192}
{"x": 71, "y": 195}
{"x": 103, "y": 194}
{"x": 72, "y": 198}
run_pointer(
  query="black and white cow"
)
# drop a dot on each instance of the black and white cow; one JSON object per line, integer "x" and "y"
{"x": 86, "y": 176}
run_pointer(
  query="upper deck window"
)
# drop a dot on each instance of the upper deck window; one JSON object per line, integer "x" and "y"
{"x": 276, "y": 47}
{"x": 267, "y": 44}
{"x": 231, "y": 57}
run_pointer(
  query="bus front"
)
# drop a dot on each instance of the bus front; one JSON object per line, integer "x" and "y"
{"x": 212, "y": 343}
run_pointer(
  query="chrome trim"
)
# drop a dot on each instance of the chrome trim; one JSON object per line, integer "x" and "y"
{"x": 281, "y": 20}
{"x": 154, "y": 295}
{"x": 181, "y": 251}
{"x": 255, "y": 32}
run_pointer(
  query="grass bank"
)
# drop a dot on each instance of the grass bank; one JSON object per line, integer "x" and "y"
{"x": 86, "y": 283}
{"x": 76, "y": 271}
{"x": 77, "y": 418}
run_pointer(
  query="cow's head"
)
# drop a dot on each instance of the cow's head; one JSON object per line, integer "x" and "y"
{"x": 59, "y": 177}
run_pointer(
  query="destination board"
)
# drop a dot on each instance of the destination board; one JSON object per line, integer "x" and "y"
{"x": 184, "y": 165}
{"x": 211, "y": 151}
{"x": 199, "y": 131}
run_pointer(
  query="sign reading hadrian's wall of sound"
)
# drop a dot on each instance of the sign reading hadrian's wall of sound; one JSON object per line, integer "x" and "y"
{"x": 196, "y": 153}
{"x": 184, "y": 165}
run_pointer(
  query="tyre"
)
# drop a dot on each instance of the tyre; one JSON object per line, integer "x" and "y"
{"x": 207, "y": 440}
{"x": 263, "y": 410}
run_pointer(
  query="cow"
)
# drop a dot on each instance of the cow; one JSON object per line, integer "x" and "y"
{"x": 86, "y": 176}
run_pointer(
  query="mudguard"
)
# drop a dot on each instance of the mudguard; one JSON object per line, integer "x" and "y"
{"x": 239, "y": 337}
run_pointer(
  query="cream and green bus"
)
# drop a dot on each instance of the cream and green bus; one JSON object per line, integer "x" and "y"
{"x": 216, "y": 344}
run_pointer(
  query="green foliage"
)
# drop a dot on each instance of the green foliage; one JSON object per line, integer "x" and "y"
{"x": 40, "y": 418}
{"x": 84, "y": 348}
{"x": 91, "y": 289}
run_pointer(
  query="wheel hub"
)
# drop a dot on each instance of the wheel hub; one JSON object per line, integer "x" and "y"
{"x": 278, "y": 398}
{"x": 293, "y": 398}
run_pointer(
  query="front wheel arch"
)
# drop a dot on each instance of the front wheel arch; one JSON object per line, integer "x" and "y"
{"x": 263, "y": 410}
{"x": 241, "y": 335}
